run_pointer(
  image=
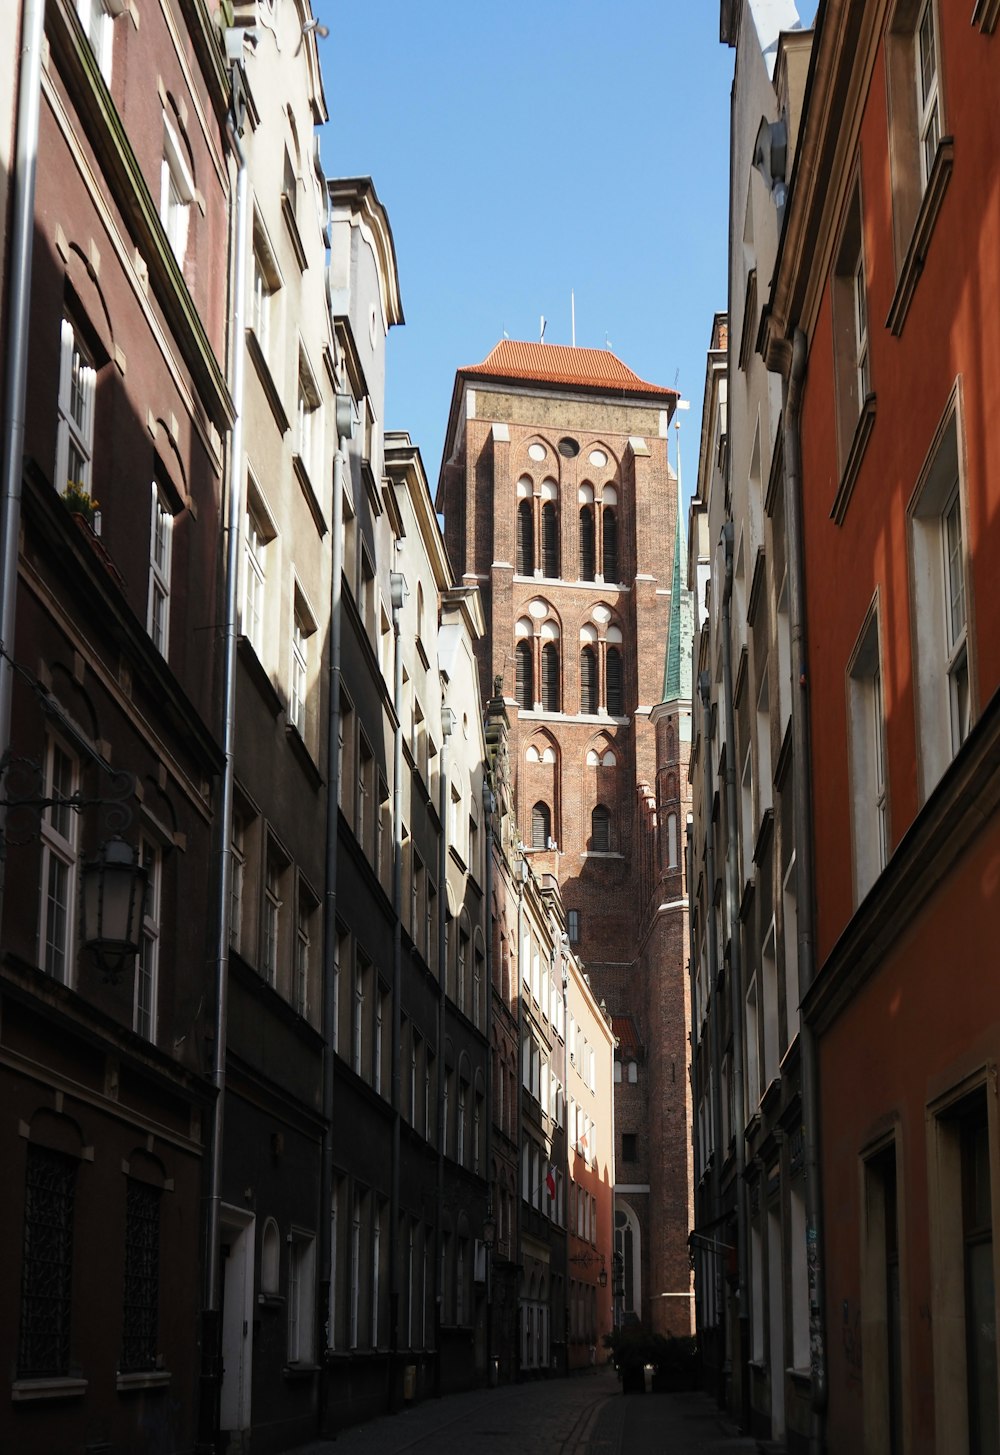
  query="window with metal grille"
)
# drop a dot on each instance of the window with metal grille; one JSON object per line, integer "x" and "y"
{"x": 550, "y": 540}
{"x": 550, "y": 677}
{"x": 609, "y": 523}
{"x": 522, "y": 689}
{"x": 600, "y": 829}
{"x": 525, "y": 539}
{"x": 588, "y": 680}
{"x": 142, "y": 1276}
{"x": 614, "y": 674}
{"x": 587, "y": 547}
{"x": 541, "y": 826}
{"x": 47, "y": 1270}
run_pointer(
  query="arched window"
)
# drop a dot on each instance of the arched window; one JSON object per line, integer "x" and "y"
{"x": 588, "y": 680}
{"x": 671, "y": 840}
{"x": 587, "y": 549}
{"x": 550, "y": 677}
{"x": 550, "y": 540}
{"x": 522, "y": 688}
{"x": 541, "y": 826}
{"x": 614, "y": 673}
{"x": 270, "y": 1258}
{"x": 609, "y": 523}
{"x": 525, "y": 539}
{"x": 600, "y": 829}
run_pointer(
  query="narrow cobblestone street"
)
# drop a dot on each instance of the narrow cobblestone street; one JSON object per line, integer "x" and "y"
{"x": 585, "y": 1415}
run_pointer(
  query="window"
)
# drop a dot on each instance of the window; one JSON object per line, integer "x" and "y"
{"x": 308, "y": 435}
{"x": 629, "y": 1152}
{"x": 270, "y": 1258}
{"x": 147, "y": 960}
{"x": 264, "y": 284}
{"x": 359, "y": 1016}
{"x": 525, "y": 538}
{"x": 588, "y": 680}
{"x": 587, "y": 545}
{"x": 160, "y": 548}
{"x": 614, "y": 675}
{"x": 752, "y": 1049}
{"x": 541, "y": 826}
{"x": 239, "y": 871}
{"x": 177, "y": 190}
{"x": 272, "y": 919}
{"x": 47, "y": 1269}
{"x": 940, "y": 597}
{"x": 600, "y": 829}
{"x": 850, "y": 315}
{"x": 550, "y": 540}
{"x": 573, "y": 926}
{"x": 609, "y": 528}
{"x": 523, "y": 686}
{"x": 259, "y": 533}
{"x": 869, "y": 801}
{"x": 75, "y": 429}
{"x": 550, "y": 677}
{"x": 882, "y": 1387}
{"x": 302, "y": 629}
{"x": 97, "y": 20}
{"x": 303, "y": 948}
{"x": 56, "y": 934}
{"x": 140, "y": 1323}
{"x": 928, "y": 102}
{"x": 301, "y": 1259}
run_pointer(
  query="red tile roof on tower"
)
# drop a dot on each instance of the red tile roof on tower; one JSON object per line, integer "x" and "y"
{"x": 624, "y": 1028}
{"x": 560, "y": 364}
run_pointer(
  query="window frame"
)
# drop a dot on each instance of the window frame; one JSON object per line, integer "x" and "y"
{"x": 161, "y": 532}
{"x": 147, "y": 962}
{"x": 75, "y": 408}
{"x": 59, "y": 848}
{"x": 178, "y": 192}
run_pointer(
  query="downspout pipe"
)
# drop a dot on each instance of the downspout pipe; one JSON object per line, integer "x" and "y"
{"x": 521, "y": 869}
{"x": 792, "y": 445}
{"x": 735, "y": 978}
{"x": 444, "y": 789}
{"x": 714, "y": 1029}
{"x": 397, "y": 591}
{"x": 212, "y": 1294}
{"x": 489, "y": 811}
{"x": 29, "y": 89}
{"x": 345, "y": 432}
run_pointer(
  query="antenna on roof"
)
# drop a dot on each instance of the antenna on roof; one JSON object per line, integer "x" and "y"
{"x": 607, "y": 342}
{"x": 541, "y": 327}
{"x": 506, "y": 334}
{"x": 572, "y": 315}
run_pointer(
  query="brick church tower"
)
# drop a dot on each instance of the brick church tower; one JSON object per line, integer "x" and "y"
{"x": 560, "y": 505}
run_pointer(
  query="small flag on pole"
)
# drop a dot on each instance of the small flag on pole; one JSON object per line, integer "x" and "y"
{"x": 550, "y": 1181}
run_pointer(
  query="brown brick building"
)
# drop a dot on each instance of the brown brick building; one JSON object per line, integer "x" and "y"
{"x": 561, "y": 507}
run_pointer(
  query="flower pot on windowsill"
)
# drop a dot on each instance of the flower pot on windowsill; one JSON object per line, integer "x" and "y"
{"x": 81, "y": 504}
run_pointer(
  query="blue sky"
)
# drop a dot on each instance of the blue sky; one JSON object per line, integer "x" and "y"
{"x": 526, "y": 149}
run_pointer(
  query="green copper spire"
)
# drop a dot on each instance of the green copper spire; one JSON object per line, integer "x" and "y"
{"x": 677, "y": 668}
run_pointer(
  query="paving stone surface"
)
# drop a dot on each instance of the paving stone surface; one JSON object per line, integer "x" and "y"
{"x": 584, "y": 1415}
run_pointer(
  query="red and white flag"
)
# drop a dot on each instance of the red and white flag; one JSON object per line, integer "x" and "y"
{"x": 550, "y": 1181}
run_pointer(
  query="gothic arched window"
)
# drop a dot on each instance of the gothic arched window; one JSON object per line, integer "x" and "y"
{"x": 600, "y": 829}
{"x": 525, "y": 539}
{"x": 609, "y": 527}
{"x": 588, "y": 680}
{"x": 541, "y": 826}
{"x": 523, "y": 684}
{"x": 587, "y": 548}
{"x": 550, "y": 677}
{"x": 550, "y": 540}
{"x": 614, "y": 674}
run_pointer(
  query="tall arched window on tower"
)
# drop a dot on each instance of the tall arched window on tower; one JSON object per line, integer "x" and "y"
{"x": 550, "y": 677}
{"x": 588, "y": 680}
{"x": 614, "y": 675}
{"x": 525, "y": 539}
{"x": 523, "y": 686}
{"x": 550, "y": 540}
{"x": 600, "y": 829}
{"x": 588, "y": 536}
{"x": 609, "y": 531}
{"x": 541, "y": 826}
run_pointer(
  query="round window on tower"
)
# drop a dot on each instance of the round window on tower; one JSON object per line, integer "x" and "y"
{"x": 568, "y": 447}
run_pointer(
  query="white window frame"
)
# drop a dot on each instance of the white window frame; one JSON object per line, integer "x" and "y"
{"x": 859, "y": 290}
{"x": 303, "y": 945}
{"x": 161, "y": 531}
{"x": 75, "y": 428}
{"x": 177, "y": 191}
{"x": 97, "y": 18}
{"x": 928, "y": 91}
{"x": 301, "y": 1285}
{"x": 273, "y": 904}
{"x": 147, "y": 964}
{"x": 869, "y": 792}
{"x": 259, "y": 532}
{"x": 59, "y": 859}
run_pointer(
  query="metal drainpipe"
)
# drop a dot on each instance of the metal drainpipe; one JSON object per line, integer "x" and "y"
{"x": 18, "y": 334}
{"x": 693, "y": 986}
{"x": 397, "y": 587}
{"x": 345, "y": 432}
{"x": 211, "y": 1331}
{"x": 563, "y": 963}
{"x": 489, "y": 803}
{"x": 705, "y": 688}
{"x": 735, "y": 978}
{"x": 447, "y": 724}
{"x": 519, "y": 1082}
{"x": 804, "y": 888}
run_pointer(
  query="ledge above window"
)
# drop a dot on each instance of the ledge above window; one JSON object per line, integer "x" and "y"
{"x": 143, "y": 1379}
{"x": 59, "y": 1387}
{"x": 923, "y": 228}
{"x": 862, "y": 431}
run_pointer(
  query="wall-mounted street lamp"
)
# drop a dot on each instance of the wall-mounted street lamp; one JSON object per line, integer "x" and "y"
{"x": 489, "y": 1231}
{"x": 114, "y": 889}
{"x": 587, "y": 1259}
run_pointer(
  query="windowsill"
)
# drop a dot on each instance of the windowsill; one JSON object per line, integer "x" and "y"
{"x": 986, "y": 15}
{"x": 923, "y": 229}
{"x": 601, "y": 854}
{"x": 258, "y": 672}
{"x": 266, "y": 378}
{"x": 294, "y": 1372}
{"x": 305, "y": 485}
{"x": 143, "y": 1379}
{"x": 270, "y": 1300}
{"x": 58, "y": 1387}
{"x": 855, "y": 455}
{"x": 291, "y": 223}
{"x": 800, "y": 1377}
{"x": 300, "y": 748}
